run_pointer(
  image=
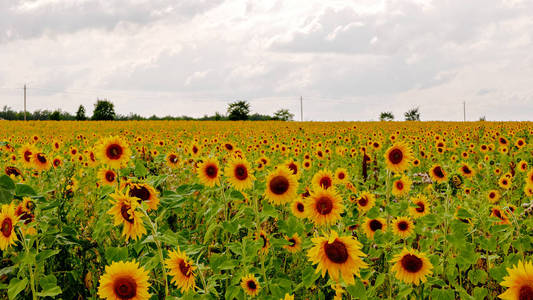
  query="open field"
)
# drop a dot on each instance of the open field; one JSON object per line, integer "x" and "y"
{"x": 271, "y": 210}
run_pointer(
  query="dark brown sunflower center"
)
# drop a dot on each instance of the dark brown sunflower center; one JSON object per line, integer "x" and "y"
{"x": 7, "y": 226}
{"x": 403, "y": 226}
{"x": 251, "y": 285}
{"x": 173, "y": 158}
{"x": 363, "y": 201}
{"x": 241, "y": 172}
{"x": 125, "y": 287}
{"x": 411, "y": 263}
{"x": 336, "y": 251}
{"x": 110, "y": 176}
{"x": 294, "y": 168}
{"x": 375, "y": 225}
{"x": 399, "y": 185}
{"x": 12, "y": 171}
{"x": 292, "y": 242}
{"x": 324, "y": 205}
{"x": 185, "y": 268}
{"x": 525, "y": 292}
{"x": 300, "y": 207}
{"x": 211, "y": 171}
{"x": 396, "y": 156}
{"x": 114, "y": 151}
{"x": 466, "y": 170}
{"x": 229, "y": 147}
{"x": 438, "y": 172}
{"x": 325, "y": 182}
{"x": 194, "y": 149}
{"x": 265, "y": 241}
{"x": 41, "y": 158}
{"x": 140, "y": 192}
{"x": 492, "y": 195}
{"x": 27, "y": 155}
{"x": 420, "y": 207}
{"x": 279, "y": 185}
{"x": 124, "y": 211}
{"x": 57, "y": 162}
{"x": 498, "y": 214}
{"x": 341, "y": 176}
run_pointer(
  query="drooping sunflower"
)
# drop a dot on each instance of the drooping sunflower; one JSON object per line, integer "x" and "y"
{"x": 402, "y": 227}
{"x": 181, "y": 270}
{"x": 497, "y": 212}
{"x": 420, "y": 208}
{"x": 209, "y": 172}
{"x": 401, "y": 186}
{"x": 113, "y": 151}
{"x": 365, "y": 202}
{"x": 298, "y": 208}
{"x": 107, "y": 177}
{"x": 172, "y": 160}
{"x": 323, "y": 179}
{"x": 438, "y": 174}
{"x": 8, "y": 220}
{"x": 398, "y": 157}
{"x": 124, "y": 280}
{"x": 295, "y": 243}
{"x": 144, "y": 193}
{"x": 239, "y": 174}
{"x": 124, "y": 212}
{"x": 493, "y": 196}
{"x": 250, "y": 285}
{"x": 411, "y": 266}
{"x": 266, "y": 242}
{"x": 281, "y": 186}
{"x": 373, "y": 225}
{"x": 324, "y": 207}
{"x": 466, "y": 171}
{"x": 519, "y": 282}
{"x": 340, "y": 256}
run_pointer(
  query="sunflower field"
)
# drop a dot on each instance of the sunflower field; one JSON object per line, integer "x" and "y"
{"x": 266, "y": 210}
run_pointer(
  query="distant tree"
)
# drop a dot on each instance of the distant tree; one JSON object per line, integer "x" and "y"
{"x": 218, "y": 116}
{"x": 260, "y": 117}
{"x": 386, "y": 116}
{"x": 56, "y": 115}
{"x": 104, "y": 110}
{"x": 283, "y": 115}
{"x": 412, "y": 115}
{"x": 80, "y": 114}
{"x": 238, "y": 110}
{"x": 481, "y": 119}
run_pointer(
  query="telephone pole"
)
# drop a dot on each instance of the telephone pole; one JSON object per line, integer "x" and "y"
{"x": 464, "y": 111}
{"x": 24, "y": 102}
{"x": 301, "y": 109}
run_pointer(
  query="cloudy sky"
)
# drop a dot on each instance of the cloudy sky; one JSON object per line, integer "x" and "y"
{"x": 350, "y": 60}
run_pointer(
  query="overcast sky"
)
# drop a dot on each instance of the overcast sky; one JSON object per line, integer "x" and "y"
{"x": 350, "y": 60}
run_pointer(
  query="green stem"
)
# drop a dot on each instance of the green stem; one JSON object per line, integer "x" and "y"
{"x": 30, "y": 267}
{"x": 159, "y": 250}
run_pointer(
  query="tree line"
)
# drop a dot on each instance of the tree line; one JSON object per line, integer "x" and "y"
{"x": 105, "y": 110}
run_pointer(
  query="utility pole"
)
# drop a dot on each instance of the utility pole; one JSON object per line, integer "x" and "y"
{"x": 301, "y": 109}
{"x": 464, "y": 111}
{"x": 24, "y": 102}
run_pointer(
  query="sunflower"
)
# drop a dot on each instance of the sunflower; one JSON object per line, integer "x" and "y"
{"x": 528, "y": 190}
{"x": 493, "y": 196}
{"x": 341, "y": 175}
{"x": 124, "y": 280}
{"x": 411, "y": 266}
{"x": 529, "y": 177}
{"x": 294, "y": 167}
{"x": 288, "y": 297}
{"x": 266, "y": 242}
{"x": 124, "y": 212}
{"x": 438, "y": 174}
{"x": 239, "y": 174}
{"x": 181, "y": 270}
{"x": 401, "y": 186}
{"x": 421, "y": 207}
{"x": 295, "y": 243}
{"x": 250, "y": 285}
{"x": 322, "y": 179}
{"x": 281, "y": 186}
{"x": 373, "y": 225}
{"x": 519, "y": 282}
{"x": 57, "y": 162}
{"x": 107, "y": 177}
{"x": 209, "y": 172}
{"x": 144, "y": 193}
{"x": 365, "y": 202}
{"x": 8, "y": 220}
{"x": 307, "y": 164}
{"x": 298, "y": 208}
{"x": 40, "y": 161}
{"x": 497, "y": 212}
{"x": 324, "y": 207}
{"x": 466, "y": 170}
{"x": 398, "y": 157}
{"x": 172, "y": 160}
{"x": 338, "y": 256}
{"x": 504, "y": 182}
{"x": 402, "y": 227}
{"x": 26, "y": 154}
{"x": 113, "y": 151}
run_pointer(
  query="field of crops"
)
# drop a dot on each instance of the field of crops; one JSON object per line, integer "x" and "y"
{"x": 266, "y": 210}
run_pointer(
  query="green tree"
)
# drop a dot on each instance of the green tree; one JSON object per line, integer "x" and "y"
{"x": 80, "y": 114}
{"x": 104, "y": 110}
{"x": 386, "y": 116}
{"x": 238, "y": 110}
{"x": 56, "y": 115}
{"x": 412, "y": 115}
{"x": 283, "y": 115}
